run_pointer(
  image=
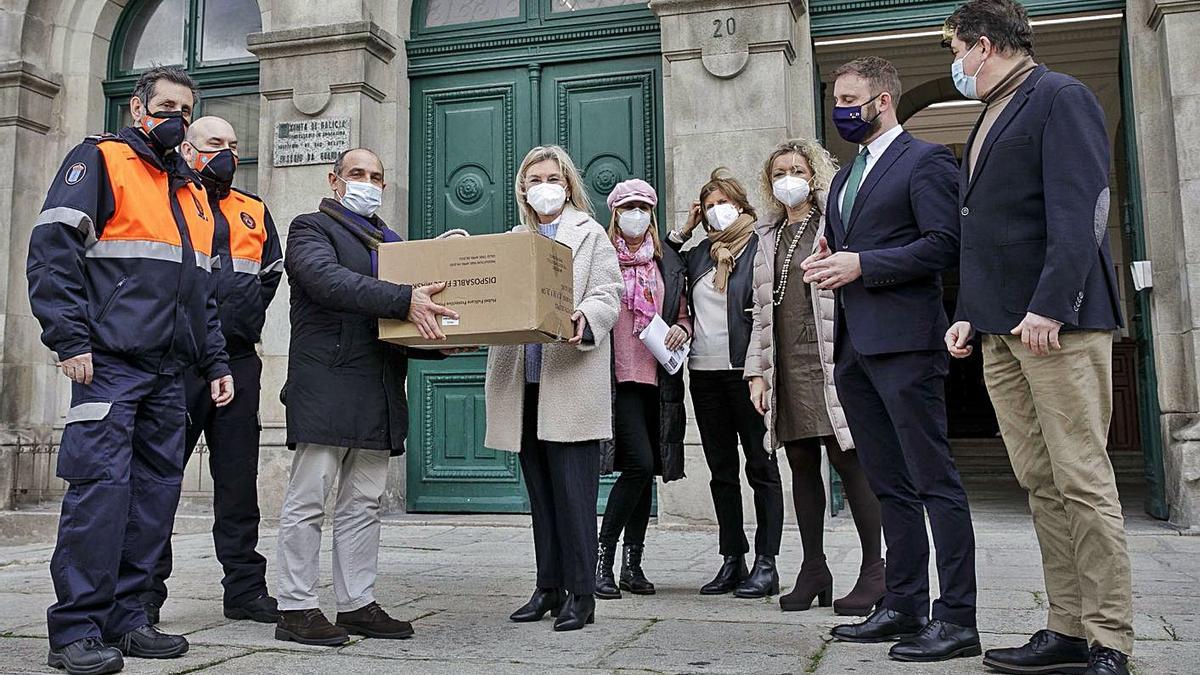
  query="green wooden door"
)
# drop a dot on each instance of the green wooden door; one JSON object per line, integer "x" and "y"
{"x": 469, "y": 133}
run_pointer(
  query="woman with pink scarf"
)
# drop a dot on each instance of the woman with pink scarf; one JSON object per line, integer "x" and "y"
{"x": 649, "y": 417}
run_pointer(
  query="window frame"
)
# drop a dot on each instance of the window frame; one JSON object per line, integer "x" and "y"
{"x": 535, "y": 14}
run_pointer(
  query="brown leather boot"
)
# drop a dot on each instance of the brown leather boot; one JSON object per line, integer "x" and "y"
{"x": 309, "y": 627}
{"x": 372, "y": 621}
{"x": 868, "y": 591}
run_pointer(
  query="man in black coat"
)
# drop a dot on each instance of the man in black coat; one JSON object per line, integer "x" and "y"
{"x": 892, "y": 230}
{"x": 346, "y": 407}
{"x": 1039, "y": 284}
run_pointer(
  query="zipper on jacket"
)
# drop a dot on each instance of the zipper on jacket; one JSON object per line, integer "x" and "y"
{"x": 111, "y": 298}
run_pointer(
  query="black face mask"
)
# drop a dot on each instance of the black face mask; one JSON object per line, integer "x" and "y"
{"x": 216, "y": 167}
{"x": 164, "y": 129}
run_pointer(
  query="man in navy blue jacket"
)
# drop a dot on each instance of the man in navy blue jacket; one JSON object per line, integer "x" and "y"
{"x": 1039, "y": 285}
{"x": 893, "y": 229}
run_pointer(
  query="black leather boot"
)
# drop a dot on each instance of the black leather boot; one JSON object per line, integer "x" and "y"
{"x": 763, "y": 580}
{"x": 1046, "y": 652}
{"x": 632, "y": 577}
{"x": 543, "y": 600}
{"x": 88, "y": 656}
{"x": 867, "y": 593}
{"x": 577, "y": 612}
{"x": 814, "y": 582}
{"x": 606, "y": 583}
{"x": 732, "y": 572}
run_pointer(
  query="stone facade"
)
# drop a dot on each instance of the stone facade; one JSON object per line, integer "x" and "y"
{"x": 348, "y": 59}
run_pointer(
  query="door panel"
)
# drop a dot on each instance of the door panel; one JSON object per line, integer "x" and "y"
{"x": 469, "y": 134}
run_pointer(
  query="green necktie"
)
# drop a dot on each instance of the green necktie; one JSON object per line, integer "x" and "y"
{"x": 852, "y": 184}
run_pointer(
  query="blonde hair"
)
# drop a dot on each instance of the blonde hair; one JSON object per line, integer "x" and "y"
{"x": 576, "y": 194}
{"x": 721, "y": 179}
{"x": 822, "y": 165}
{"x": 614, "y": 230}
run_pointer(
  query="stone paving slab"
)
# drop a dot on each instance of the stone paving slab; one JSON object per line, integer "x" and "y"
{"x": 458, "y": 581}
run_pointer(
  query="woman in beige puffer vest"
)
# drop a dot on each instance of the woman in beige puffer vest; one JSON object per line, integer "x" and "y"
{"x": 789, "y": 365}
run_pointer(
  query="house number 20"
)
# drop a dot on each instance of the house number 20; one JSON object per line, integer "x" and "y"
{"x": 723, "y": 28}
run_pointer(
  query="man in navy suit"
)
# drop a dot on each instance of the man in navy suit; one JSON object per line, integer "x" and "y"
{"x": 893, "y": 228}
{"x": 1039, "y": 285}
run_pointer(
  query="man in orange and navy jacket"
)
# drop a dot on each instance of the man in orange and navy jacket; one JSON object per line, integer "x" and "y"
{"x": 119, "y": 276}
{"x": 251, "y": 264}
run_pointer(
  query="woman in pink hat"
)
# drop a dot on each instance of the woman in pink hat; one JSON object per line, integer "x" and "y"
{"x": 649, "y": 417}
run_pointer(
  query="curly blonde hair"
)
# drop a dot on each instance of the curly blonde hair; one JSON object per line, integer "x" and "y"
{"x": 820, "y": 162}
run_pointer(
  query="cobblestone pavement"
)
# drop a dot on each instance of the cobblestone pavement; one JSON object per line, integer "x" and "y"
{"x": 457, "y": 579}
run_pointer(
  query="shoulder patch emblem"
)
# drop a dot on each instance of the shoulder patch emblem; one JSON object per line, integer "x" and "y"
{"x": 199, "y": 208}
{"x": 248, "y": 220}
{"x": 75, "y": 173}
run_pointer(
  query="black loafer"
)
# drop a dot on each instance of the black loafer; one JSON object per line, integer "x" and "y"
{"x": 148, "y": 643}
{"x": 262, "y": 609}
{"x": 88, "y": 656}
{"x": 939, "y": 641}
{"x": 1046, "y": 652}
{"x": 884, "y": 625}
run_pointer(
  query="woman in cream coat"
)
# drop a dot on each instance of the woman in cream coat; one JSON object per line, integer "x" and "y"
{"x": 789, "y": 364}
{"x": 552, "y": 403}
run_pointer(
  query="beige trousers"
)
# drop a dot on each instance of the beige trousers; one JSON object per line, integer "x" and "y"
{"x": 1054, "y": 413}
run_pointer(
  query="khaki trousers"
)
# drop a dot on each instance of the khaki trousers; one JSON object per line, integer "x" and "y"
{"x": 1054, "y": 413}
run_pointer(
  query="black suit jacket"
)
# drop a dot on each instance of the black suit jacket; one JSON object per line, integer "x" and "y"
{"x": 905, "y": 230}
{"x": 1034, "y": 216}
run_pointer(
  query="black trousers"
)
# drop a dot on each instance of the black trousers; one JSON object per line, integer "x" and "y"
{"x": 896, "y": 407}
{"x": 724, "y": 414}
{"x": 563, "y": 480}
{"x": 232, "y": 435}
{"x": 636, "y": 440}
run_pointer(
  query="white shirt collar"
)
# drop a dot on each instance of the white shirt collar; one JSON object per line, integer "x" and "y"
{"x": 880, "y": 145}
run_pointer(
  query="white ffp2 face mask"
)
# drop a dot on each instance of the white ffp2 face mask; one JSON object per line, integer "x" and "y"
{"x": 722, "y": 216}
{"x": 362, "y": 198}
{"x": 633, "y": 223}
{"x": 546, "y": 198}
{"x": 791, "y": 191}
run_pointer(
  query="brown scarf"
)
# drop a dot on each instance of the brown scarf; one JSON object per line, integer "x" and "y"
{"x": 727, "y": 244}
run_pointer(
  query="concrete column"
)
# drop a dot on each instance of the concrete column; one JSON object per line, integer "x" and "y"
{"x": 737, "y": 80}
{"x": 311, "y": 69}
{"x": 1165, "y": 58}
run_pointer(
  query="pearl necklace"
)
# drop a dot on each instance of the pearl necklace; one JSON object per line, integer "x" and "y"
{"x": 781, "y": 289}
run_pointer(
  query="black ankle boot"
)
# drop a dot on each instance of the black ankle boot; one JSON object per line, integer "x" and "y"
{"x": 732, "y": 572}
{"x": 543, "y": 600}
{"x": 814, "y": 582}
{"x": 632, "y": 577}
{"x": 763, "y": 579}
{"x": 867, "y": 593}
{"x": 606, "y": 584}
{"x": 577, "y": 612}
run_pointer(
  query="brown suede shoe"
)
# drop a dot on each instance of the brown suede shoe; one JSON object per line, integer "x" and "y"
{"x": 372, "y": 621}
{"x": 309, "y": 627}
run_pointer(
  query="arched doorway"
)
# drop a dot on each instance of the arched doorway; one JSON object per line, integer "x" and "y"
{"x": 490, "y": 80}
{"x": 207, "y": 38}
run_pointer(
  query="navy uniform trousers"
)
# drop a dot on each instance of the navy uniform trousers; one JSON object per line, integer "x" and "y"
{"x": 896, "y": 407}
{"x": 232, "y": 436}
{"x": 122, "y": 457}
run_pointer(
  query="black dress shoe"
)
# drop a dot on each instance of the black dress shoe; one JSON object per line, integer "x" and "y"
{"x": 732, "y": 572}
{"x": 262, "y": 609}
{"x": 1105, "y": 661}
{"x": 577, "y": 612}
{"x": 606, "y": 582}
{"x": 88, "y": 656}
{"x": 543, "y": 600}
{"x": 885, "y": 625}
{"x": 938, "y": 641}
{"x": 1046, "y": 652}
{"x": 763, "y": 580}
{"x": 148, "y": 643}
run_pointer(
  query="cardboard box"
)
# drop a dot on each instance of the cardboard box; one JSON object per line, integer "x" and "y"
{"x": 512, "y": 288}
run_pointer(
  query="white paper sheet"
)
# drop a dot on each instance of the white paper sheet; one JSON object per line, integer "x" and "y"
{"x": 654, "y": 337}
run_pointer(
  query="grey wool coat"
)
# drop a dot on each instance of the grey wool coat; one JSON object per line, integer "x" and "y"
{"x": 575, "y": 403}
{"x": 760, "y": 355}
